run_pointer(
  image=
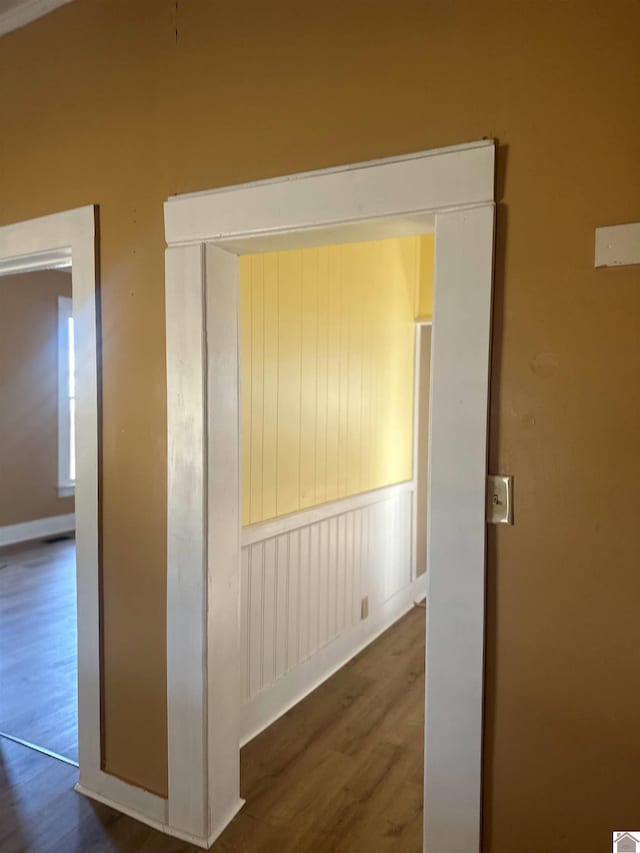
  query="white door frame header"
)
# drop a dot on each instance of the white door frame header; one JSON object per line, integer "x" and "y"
{"x": 414, "y": 184}
{"x": 456, "y": 186}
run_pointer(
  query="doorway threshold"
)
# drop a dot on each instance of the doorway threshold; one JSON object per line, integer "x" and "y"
{"x": 40, "y": 749}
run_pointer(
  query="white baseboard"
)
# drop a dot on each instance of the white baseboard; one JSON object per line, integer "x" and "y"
{"x": 40, "y": 528}
{"x": 224, "y": 822}
{"x": 160, "y": 826}
{"x": 205, "y": 843}
{"x": 265, "y": 708}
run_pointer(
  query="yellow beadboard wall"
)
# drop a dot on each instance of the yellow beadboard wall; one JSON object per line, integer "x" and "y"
{"x": 327, "y": 360}
{"x": 424, "y": 291}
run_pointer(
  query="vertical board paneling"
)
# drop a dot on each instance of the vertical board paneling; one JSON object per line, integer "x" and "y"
{"x": 407, "y": 557}
{"x": 348, "y": 574}
{"x": 282, "y": 595}
{"x": 357, "y": 565}
{"x": 343, "y": 321}
{"x": 333, "y": 374}
{"x": 255, "y": 643}
{"x": 293, "y": 601}
{"x": 367, "y": 425}
{"x": 270, "y": 383}
{"x": 244, "y": 621}
{"x": 304, "y": 585}
{"x": 246, "y": 373}
{"x": 257, "y": 387}
{"x": 322, "y": 374}
{"x": 314, "y": 587}
{"x": 365, "y": 571}
{"x": 354, "y": 297}
{"x": 303, "y": 588}
{"x": 341, "y": 574}
{"x": 332, "y": 571}
{"x": 269, "y": 614}
{"x": 327, "y": 364}
{"x": 289, "y": 391}
{"x": 323, "y": 572}
{"x": 308, "y": 383}
{"x": 394, "y": 569}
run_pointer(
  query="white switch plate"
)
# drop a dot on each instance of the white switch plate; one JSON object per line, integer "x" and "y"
{"x": 499, "y": 499}
{"x": 618, "y": 245}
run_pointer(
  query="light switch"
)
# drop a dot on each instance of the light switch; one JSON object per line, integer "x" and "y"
{"x": 499, "y": 499}
{"x": 618, "y": 245}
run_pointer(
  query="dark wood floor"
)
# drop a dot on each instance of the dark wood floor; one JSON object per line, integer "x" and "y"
{"x": 38, "y": 645}
{"x": 340, "y": 773}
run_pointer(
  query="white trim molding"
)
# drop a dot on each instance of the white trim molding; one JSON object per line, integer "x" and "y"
{"x": 618, "y": 245}
{"x": 250, "y": 217}
{"x": 26, "y": 11}
{"x": 60, "y": 237}
{"x": 306, "y": 517}
{"x": 456, "y": 531}
{"x": 304, "y": 578}
{"x": 417, "y": 426}
{"x": 39, "y": 528}
{"x": 205, "y": 233}
{"x": 148, "y": 809}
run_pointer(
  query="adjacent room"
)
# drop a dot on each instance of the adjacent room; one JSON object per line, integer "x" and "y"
{"x": 38, "y": 654}
{"x": 335, "y": 357}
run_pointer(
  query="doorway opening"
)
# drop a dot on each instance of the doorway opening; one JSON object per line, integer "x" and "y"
{"x": 330, "y": 358}
{"x": 38, "y": 617}
{"x": 67, "y": 240}
{"x": 208, "y": 233}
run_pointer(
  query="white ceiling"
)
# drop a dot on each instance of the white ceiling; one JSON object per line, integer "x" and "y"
{"x": 18, "y": 13}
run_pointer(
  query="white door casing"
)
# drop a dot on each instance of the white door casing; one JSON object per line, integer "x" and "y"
{"x": 205, "y": 233}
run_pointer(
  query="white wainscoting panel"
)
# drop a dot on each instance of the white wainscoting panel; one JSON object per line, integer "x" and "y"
{"x": 304, "y": 577}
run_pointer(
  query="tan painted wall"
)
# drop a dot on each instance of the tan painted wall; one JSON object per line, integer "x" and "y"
{"x": 123, "y": 103}
{"x": 29, "y": 396}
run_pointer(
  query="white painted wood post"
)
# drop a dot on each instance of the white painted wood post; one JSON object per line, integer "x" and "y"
{"x": 457, "y": 487}
{"x": 186, "y": 541}
{"x": 223, "y": 538}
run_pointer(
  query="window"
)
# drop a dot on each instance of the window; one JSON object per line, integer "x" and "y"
{"x": 66, "y": 399}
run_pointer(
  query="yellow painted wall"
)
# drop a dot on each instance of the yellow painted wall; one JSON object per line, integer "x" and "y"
{"x": 327, "y": 338}
{"x": 424, "y": 291}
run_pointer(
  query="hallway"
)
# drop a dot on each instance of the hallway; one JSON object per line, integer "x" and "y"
{"x": 339, "y": 773}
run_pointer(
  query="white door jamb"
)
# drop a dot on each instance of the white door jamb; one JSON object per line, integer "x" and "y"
{"x": 205, "y": 233}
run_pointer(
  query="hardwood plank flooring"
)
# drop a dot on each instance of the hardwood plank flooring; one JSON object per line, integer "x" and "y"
{"x": 339, "y": 773}
{"x": 38, "y": 645}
